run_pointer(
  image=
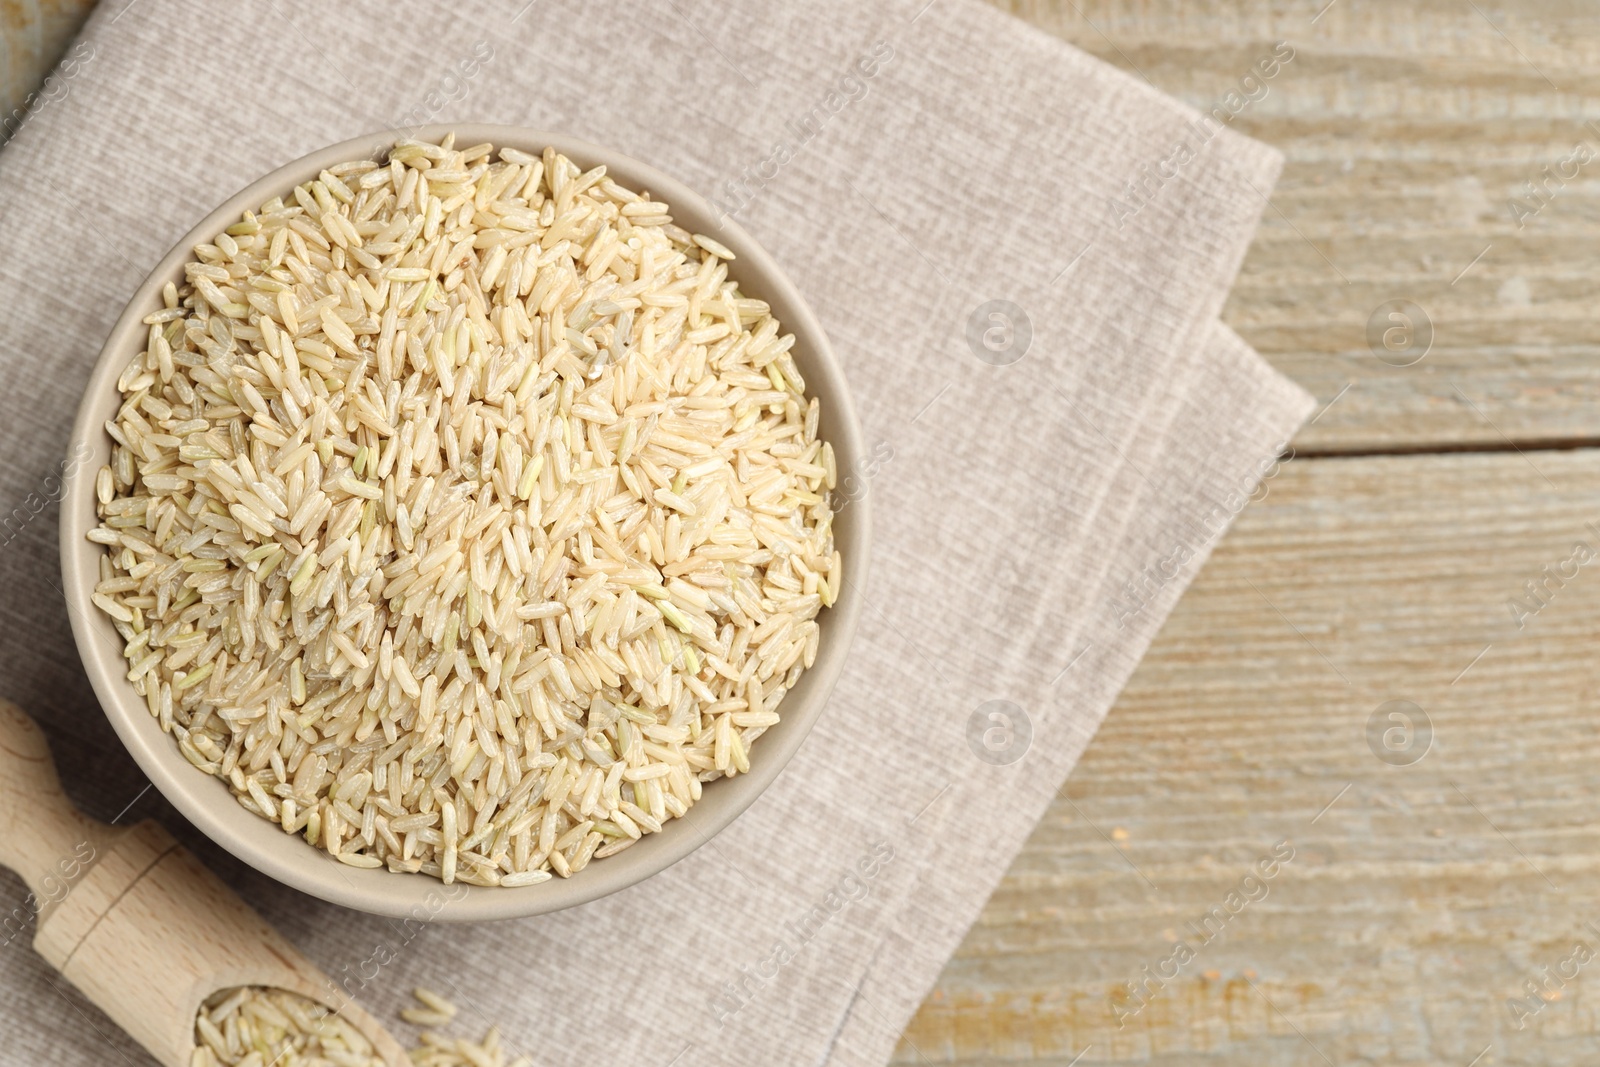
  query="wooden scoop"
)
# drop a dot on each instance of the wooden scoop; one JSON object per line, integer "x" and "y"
{"x": 133, "y": 920}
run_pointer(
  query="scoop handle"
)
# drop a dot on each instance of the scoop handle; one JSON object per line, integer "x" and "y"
{"x": 46, "y": 840}
{"x": 150, "y": 932}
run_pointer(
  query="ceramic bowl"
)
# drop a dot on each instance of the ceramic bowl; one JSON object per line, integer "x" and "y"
{"x": 207, "y": 802}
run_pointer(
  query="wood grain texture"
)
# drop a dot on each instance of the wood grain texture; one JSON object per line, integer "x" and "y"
{"x": 177, "y": 937}
{"x": 134, "y": 921}
{"x": 1408, "y": 128}
{"x": 1426, "y": 894}
{"x": 42, "y": 826}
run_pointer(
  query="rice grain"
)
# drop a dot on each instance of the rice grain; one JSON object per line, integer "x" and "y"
{"x": 254, "y": 1026}
{"x": 464, "y": 515}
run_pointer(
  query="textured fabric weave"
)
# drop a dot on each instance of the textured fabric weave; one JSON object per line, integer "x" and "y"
{"x": 1012, "y": 503}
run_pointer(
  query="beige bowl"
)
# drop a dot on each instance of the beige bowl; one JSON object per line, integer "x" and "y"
{"x": 207, "y": 802}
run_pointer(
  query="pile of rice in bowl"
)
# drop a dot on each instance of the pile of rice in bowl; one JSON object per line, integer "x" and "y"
{"x": 463, "y": 516}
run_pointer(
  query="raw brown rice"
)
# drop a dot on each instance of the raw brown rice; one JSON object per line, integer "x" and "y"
{"x": 253, "y": 1026}
{"x": 464, "y": 516}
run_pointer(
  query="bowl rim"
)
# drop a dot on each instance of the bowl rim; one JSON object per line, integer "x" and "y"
{"x": 261, "y": 843}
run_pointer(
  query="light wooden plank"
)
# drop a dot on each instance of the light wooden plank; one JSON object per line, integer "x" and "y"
{"x": 1426, "y": 895}
{"x": 1407, "y": 128}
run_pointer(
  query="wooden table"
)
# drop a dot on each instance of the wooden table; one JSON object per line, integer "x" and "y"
{"x": 1421, "y": 897}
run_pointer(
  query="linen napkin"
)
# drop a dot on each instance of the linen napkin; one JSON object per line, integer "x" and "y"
{"x": 1048, "y": 399}
{"x": 1176, "y": 513}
